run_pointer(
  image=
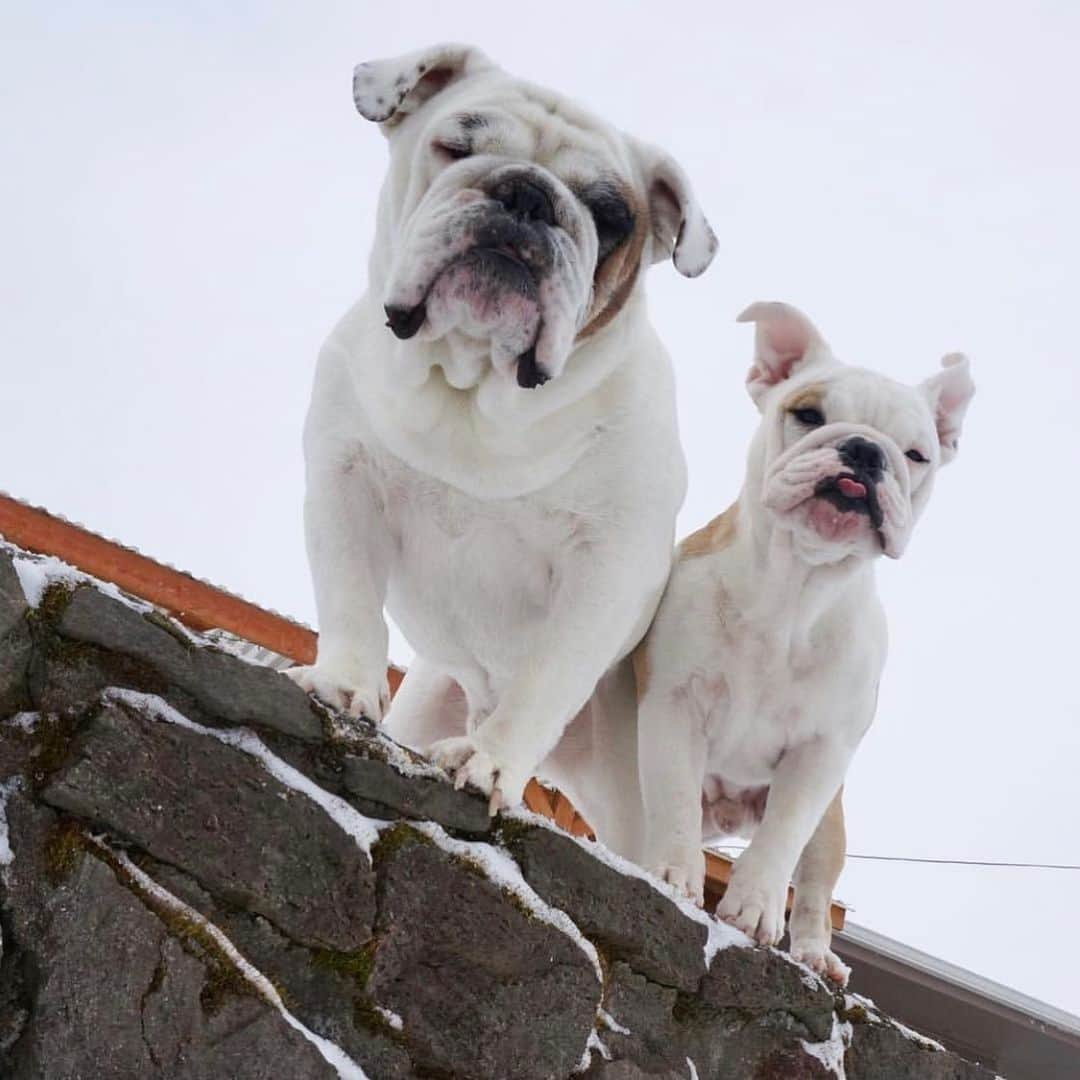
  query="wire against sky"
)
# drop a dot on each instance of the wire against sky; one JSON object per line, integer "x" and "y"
{"x": 938, "y": 862}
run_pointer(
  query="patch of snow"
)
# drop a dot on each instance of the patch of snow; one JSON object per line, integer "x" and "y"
{"x": 38, "y": 572}
{"x": 831, "y": 1052}
{"x": 852, "y": 1001}
{"x": 923, "y": 1040}
{"x": 593, "y": 1043}
{"x": 693, "y": 1069}
{"x": 6, "y": 791}
{"x": 611, "y": 1023}
{"x": 390, "y": 1017}
{"x": 24, "y": 721}
{"x": 364, "y": 830}
{"x": 346, "y": 1068}
{"x": 720, "y": 934}
{"x": 501, "y": 869}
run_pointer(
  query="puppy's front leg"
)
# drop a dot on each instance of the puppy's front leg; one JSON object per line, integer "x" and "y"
{"x": 349, "y": 547}
{"x": 806, "y": 779}
{"x": 815, "y": 879}
{"x": 592, "y": 616}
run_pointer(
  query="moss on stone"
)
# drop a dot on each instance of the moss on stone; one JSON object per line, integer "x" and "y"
{"x": 53, "y": 735}
{"x": 397, "y": 837}
{"x": 356, "y": 966}
{"x": 52, "y": 604}
{"x": 65, "y": 845}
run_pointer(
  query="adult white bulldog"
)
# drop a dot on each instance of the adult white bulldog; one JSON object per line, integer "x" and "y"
{"x": 491, "y": 445}
{"x": 759, "y": 675}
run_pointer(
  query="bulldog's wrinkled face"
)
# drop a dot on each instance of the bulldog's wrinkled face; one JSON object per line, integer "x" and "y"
{"x": 520, "y": 223}
{"x": 849, "y": 455}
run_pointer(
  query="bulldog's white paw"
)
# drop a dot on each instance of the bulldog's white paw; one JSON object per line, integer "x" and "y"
{"x": 468, "y": 764}
{"x": 687, "y": 880}
{"x": 817, "y": 956}
{"x": 344, "y": 691}
{"x": 754, "y": 906}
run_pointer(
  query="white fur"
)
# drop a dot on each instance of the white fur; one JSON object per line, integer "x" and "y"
{"x": 520, "y": 537}
{"x": 761, "y": 667}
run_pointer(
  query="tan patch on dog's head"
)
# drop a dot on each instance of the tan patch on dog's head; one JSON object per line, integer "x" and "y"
{"x": 806, "y": 397}
{"x": 712, "y": 537}
{"x": 619, "y": 271}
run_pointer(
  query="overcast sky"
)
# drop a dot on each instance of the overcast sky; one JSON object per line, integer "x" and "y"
{"x": 189, "y": 198}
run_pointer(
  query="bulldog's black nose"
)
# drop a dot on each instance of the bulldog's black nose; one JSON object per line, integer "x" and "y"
{"x": 405, "y": 321}
{"x": 525, "y": 199}
{"x": 863, "y": 456}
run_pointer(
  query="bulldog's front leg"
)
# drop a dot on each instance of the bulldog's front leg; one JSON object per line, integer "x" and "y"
{"x": 349, "y": 548}
{"x": 804, "y": 783}
{"x": 671, "y": 764}
{"x": 593, "y": 615}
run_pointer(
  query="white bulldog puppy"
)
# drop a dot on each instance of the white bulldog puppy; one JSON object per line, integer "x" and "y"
{"x": 491, "y": 446}
{"x": 759, "y": 675}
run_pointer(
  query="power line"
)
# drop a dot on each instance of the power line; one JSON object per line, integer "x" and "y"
{"x": 944, "y": 862}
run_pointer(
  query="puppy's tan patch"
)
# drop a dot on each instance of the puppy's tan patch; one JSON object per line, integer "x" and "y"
{"x": 619, "y": 272}
{"x": 712, "y": 537}
{"x": 806, "y": 397}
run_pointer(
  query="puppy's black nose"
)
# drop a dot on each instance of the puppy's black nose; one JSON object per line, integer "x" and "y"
{"x": 525, "y": 199}
{"x": 405, "y": 321}
{"x": 863, "y": 456}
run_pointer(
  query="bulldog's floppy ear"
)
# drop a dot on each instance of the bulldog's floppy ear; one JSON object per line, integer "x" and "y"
{"x": 949, "y": 393}
{"x": 785, "y": 342}
{"x": 679, "y": 228}
{"x": 386, "y": 91}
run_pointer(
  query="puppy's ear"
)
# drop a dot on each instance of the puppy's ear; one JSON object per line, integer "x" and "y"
{"x": 387, "y": 91}
{"x": 785, "y": 342}
{"x": 949, "y": 393}
{"x": 680, "y": 230}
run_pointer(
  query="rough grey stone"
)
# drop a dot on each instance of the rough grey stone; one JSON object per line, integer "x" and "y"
{"x": 763, "y": 980}
{"x": 626, "y": 916}
{"x": 216, "y": 813}
{"x": 15, "y": 642}
{"x": 881, "y": 1052}
{"x": 324, "y": 990}
{"x": 221, "y": 685}
{"x": 113, "y": 995}
{"x": 94, "y": 983}
{"x": 484, "y": 990}
{"x": 377, "y": 787}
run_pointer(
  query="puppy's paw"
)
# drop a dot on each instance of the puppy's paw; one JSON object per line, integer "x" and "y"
{"x": 818, "y": 957}
{"x": 755, "y": 906}
{"x": 346, "y": 692}
{"x": 686, "y": 876}
{"x": 468, "y": 763}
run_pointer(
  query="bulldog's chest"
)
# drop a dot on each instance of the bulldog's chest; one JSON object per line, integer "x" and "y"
{"x": 466, "y": 575}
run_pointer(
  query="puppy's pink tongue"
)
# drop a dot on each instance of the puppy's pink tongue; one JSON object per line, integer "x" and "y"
{"x": 851, "y": 488}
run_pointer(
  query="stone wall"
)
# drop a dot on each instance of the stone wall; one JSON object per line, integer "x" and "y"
{"x": 199, "y": 881}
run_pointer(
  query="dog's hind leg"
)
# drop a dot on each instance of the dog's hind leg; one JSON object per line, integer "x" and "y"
{"x": 429, "y": 705}
{"x": 815, "y": 878}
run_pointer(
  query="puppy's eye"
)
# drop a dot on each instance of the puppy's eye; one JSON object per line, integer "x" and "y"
{"x": 451, "y": 151}
{"x": 916, "y": 455}
{"x": 809, "y": 417}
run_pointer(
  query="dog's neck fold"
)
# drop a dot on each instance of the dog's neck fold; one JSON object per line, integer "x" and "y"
{"x": 780, "y": 592}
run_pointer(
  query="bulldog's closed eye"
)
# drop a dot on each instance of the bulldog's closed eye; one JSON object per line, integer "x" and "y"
{"x": 451, "y": 151}
{"x": 917, "y": 455}
{"x": 613, "y": 218}
{"x": 809, "y": 416}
